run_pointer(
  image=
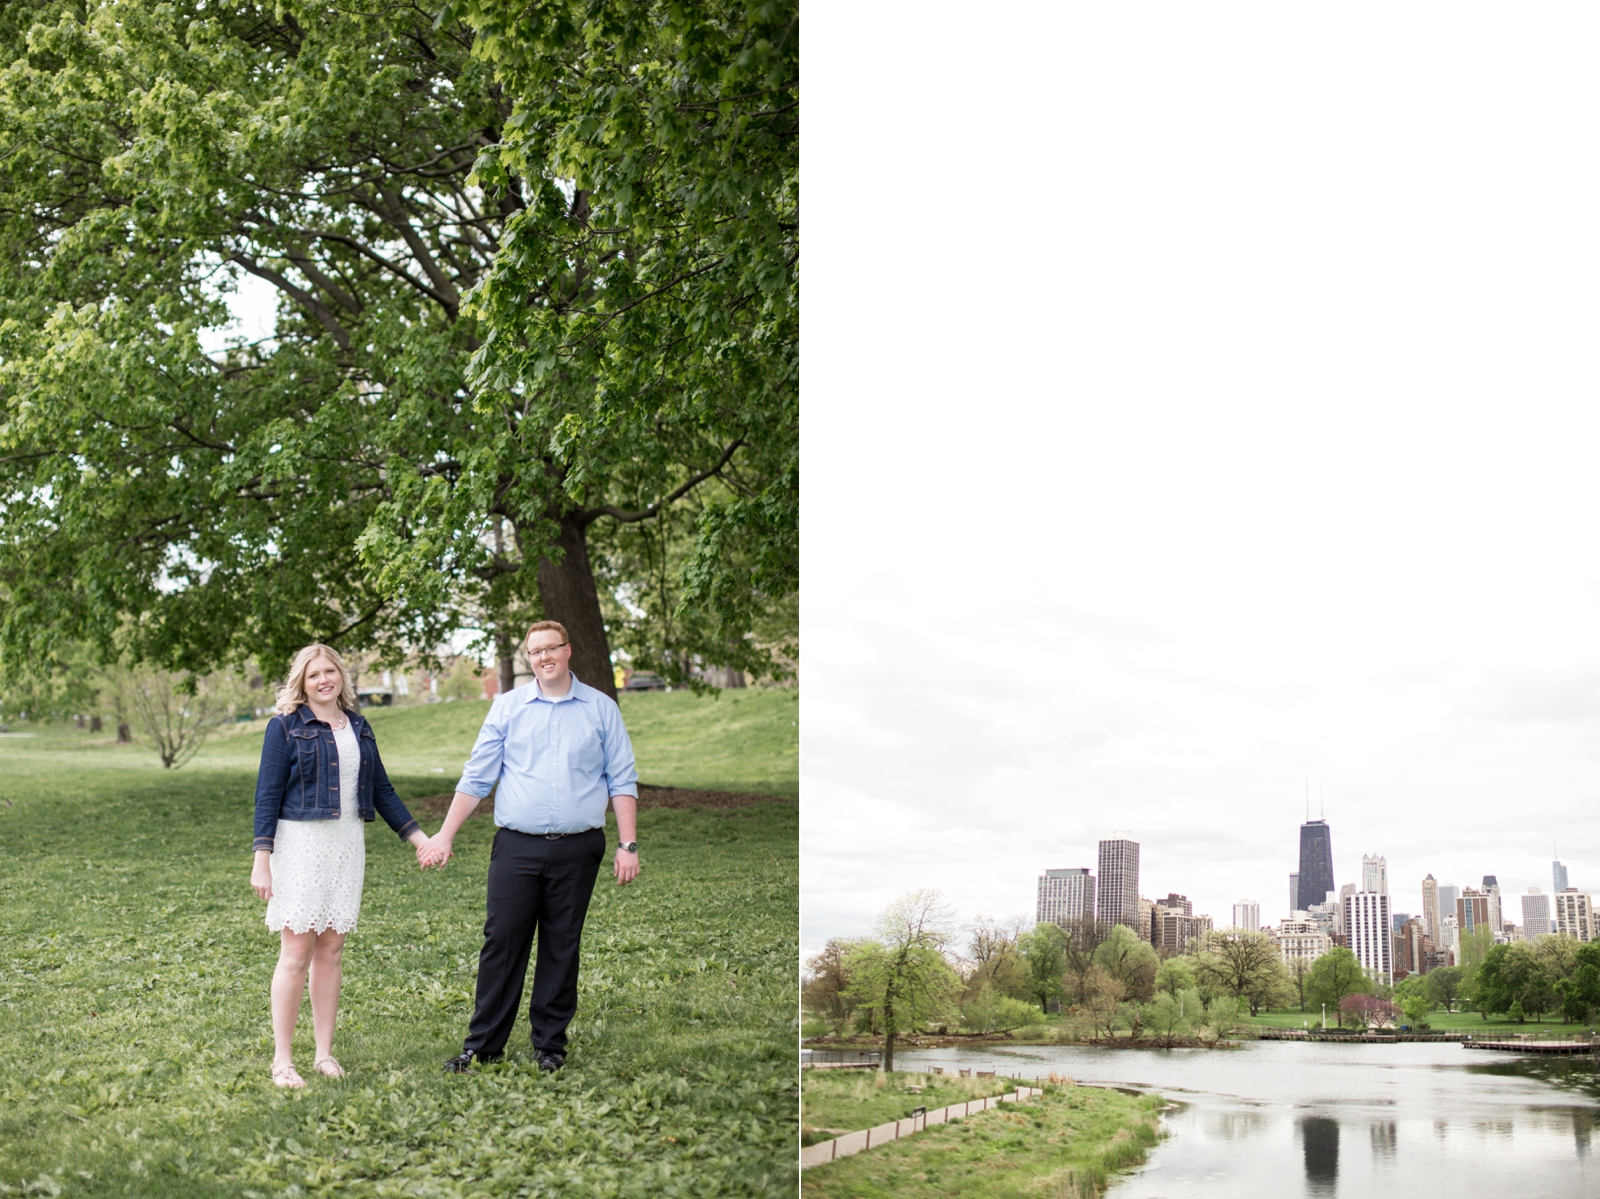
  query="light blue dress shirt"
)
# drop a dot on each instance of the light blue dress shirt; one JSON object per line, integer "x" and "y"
{"x": 557, "y": 761}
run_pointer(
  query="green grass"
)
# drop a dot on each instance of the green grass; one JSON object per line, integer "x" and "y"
{"x": 1065, "y": 1143}
{"x": 850, "y": 1100}
{"x": 1437, "y": 1022}
{"x": 135, "y": 1036}
{"x": 745, "y": 740}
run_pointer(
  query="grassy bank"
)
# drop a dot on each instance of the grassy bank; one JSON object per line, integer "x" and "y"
{"x": 134, "y": 976}
{"x": 836, "y": 1101}
{"x": 1065, "y": 1143}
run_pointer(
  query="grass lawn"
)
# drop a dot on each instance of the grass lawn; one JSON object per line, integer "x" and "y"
{"x": 134, "y": 989}
{"x": 836, "y": 1101}
{"x": 745, "y": 740}
{"x": 1064, "y": 1143}
{"x": 1437, "y": 1022}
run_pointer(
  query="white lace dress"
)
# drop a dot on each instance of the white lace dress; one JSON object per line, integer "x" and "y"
{"x": 318, "y": 865}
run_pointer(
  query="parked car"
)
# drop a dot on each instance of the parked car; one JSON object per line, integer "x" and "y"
{"x": 369, "y": 697}
{"x": 645, "y": 680}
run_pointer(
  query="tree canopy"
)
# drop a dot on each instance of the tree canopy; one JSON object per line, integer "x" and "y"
{"x": 535, "y": 276}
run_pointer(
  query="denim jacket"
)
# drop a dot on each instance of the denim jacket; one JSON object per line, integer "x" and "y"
{"x": 299, "y": 777}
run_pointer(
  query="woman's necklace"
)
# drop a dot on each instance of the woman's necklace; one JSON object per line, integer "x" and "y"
{"x": 344, "y": 722}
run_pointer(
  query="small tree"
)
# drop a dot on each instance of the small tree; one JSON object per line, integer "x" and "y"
{"x": 172, "y": 713}
{"x": 1171, "y": 1016}
{"x": 1335, "y": 975}
{"x": 903, "y": 973}
{"x": 1245, "y": 965}
{"x": 1444, "y": 986}
{"x": 1416, "y": 1008}
{"x": 825, "y": 988}
{"x": 1298, "y": 969}
{"x": 1129, "y": 960}
{"x": 1224, "y": 1016}
{"x": 1103, "y": 997}
{"x": 1044, "y": 952}
{"x": 1175, "y": 976}
{"x": 1364, "y": 1010}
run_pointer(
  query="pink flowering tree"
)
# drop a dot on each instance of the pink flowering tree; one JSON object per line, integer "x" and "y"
{"x": 1368, "y": 1011}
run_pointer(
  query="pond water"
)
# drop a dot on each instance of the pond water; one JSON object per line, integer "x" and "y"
{"x": 1286, "y": 1120}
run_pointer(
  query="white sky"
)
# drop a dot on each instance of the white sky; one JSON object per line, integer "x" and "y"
{"x": 1234, "y": 420}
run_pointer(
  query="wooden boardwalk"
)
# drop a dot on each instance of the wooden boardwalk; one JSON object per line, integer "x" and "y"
{"x": 855, "y": 1142}
{"x": 1358, "y": 1038}
{"x": 1563, "y": 1048}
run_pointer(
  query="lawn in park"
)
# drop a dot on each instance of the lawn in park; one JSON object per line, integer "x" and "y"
{"x": 133, "y": 984}
{"x": 1066, "y": 1142}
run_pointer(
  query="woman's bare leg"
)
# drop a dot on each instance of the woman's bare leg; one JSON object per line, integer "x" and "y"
{"x": 288, "y": 985}
{"x": 326, "y": 974}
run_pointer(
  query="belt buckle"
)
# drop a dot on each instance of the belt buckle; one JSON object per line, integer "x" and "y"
{"x": 553, "y": 836}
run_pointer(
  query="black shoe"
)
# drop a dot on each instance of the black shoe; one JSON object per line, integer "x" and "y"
{"x": 551, "y": 1062}
{"x": 461, "y": 1063}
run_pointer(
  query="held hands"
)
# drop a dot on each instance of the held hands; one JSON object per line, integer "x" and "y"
{"x": 434, "y": 851}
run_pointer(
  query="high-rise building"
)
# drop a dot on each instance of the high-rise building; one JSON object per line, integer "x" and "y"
{"x": 1412, "y": 947}
{"x": 1374, "y": 874}
{"x": 1316, "y": 864}
{"x": 1065, "y": 895}
{"x": 1294, "y": 894}
{"x": 1558, "y": 876}
{"x": 1247, "y": 914}
{"x": 1574, "y": 914}
{"x": 1366, "y": 916}
{"x": 1338, "y": 906}
{"x": 1449, "y": 933}
{"x": 1177, "y": 929}
{"x": 1491, "y": 888}
{"x": 1472, "y": 910}
{"x": 1430, "y": 907}
{"x": 1448, "y": 894}
{"x": 1399, "y": 919}
{"x": 1301, "y": 939}
{"x": 1118, "y": 890}
{"x": 1536, "y": 917}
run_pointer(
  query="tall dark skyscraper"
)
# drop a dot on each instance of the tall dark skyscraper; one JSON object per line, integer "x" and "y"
{"x": 1316, "y": 864}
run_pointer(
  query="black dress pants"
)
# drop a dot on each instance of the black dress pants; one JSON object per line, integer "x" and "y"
{"x": 537, "y": 886}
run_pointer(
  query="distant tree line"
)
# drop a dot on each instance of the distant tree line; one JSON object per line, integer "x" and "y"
{"x": 921, "y": 971}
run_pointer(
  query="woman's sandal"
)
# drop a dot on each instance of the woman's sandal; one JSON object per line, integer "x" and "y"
{"x": 287, "y": 1076}
{"x": 328, "y": 1067}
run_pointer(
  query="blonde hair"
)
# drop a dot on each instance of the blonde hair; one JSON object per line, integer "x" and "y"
{"x": 293, "y": 692}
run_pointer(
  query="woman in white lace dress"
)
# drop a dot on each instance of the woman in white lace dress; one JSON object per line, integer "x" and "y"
{"x": 321, "y": 779}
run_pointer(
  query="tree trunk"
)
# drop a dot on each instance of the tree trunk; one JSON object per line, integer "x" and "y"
{"x": 567, "y": 591}
{"x": 506, "y": 647}
{"x": 95, "y": 724}
{"x": 124, "y": 734}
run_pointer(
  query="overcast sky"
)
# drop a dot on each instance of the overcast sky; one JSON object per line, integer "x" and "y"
{"x": 1198, "y": 400}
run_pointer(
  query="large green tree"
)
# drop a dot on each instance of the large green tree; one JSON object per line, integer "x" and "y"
{"x": 360, "y": 478}
{"x": 902, "y": 974}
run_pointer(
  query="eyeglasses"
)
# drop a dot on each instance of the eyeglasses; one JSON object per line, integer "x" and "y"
{"x": 545, "y": 650}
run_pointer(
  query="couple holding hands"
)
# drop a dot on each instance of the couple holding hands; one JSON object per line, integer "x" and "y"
{"x": 554, "y": 752}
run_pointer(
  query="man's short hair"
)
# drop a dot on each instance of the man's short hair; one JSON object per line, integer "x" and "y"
{"x": 546, "y": 626}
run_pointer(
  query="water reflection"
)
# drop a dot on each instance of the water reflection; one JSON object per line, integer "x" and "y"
{"x": 1319, "y": 1138}
{"x": 1385, "y": 1137}
{"x": 1279, "y": 1120}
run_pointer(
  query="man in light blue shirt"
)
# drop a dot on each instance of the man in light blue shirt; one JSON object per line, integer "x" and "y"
{"x": 555, "y": 753}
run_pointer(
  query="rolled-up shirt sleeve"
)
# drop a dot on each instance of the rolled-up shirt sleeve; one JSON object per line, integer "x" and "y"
{"x": 482, "y": 771}
{"x": 622, "y": 778}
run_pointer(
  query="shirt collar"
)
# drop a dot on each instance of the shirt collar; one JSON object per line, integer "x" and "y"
{"x": 577, "y": 691}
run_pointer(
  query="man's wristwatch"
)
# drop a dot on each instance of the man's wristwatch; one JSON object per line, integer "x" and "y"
{"x": 629, "y": 846}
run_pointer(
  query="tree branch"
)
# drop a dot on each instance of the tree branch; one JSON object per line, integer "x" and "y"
{"x": 622, "y": 516}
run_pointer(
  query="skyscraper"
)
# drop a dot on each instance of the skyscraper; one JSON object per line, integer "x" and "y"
{"x": 1065, "y": 895}
{"x": 1247, "y": 914}
{"x": 1558, "y": 875}
{"x": 1472, "y": 910}
{"x": 1491, "y": 888}
{"x": 1574, "y": 914}
{"x": 1430, "y": 908}
{"x": 1374, "y": 874}
{"x": 1316, "y": 864}
{"x": 1366, "y": 916}
{"x": 1448, "y": 894}
{"x": 1536, "y": 916}
{"x": 1119, "y": 880}
{"x": 1294, "y": 893}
